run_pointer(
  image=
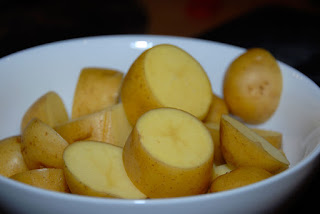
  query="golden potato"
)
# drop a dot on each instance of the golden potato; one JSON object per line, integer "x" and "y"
{"x": 217, "y": 108}
{"x": 165, "y": 76}
{"x": 241, "y": 146}
{"x": 109, "y": 125}
{"x": 239, "y": 177}
{"x": 96, "y": 169}
{"x": 220, "y": 170}
{"x": 11, "y": 159}
{"x": 169, "y": 153}
{"x": 214, "y": 130}
{"x": 42, "y": 146}
{"x": 97, "y": 89}
{"x": 46, "y": 178}
{"x": 273, "y": 137}
{"x": 252, "y": 86}
{"x": 49, "y": 108}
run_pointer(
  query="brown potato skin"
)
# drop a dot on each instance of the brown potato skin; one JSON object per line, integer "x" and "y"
{"x": 50, "y": 179}
{"x": 11, "y": 159}
{"x": 158, "y": 180}
{"x": 239, "y": 177}
{"x": 252, "y": 86}
{"x": 217, "y": 108}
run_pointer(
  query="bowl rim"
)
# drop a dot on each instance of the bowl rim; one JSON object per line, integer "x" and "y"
{"x": 208, "y": 196}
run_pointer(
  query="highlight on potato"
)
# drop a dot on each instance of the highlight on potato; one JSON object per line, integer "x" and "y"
{"x": 157, "y": 131}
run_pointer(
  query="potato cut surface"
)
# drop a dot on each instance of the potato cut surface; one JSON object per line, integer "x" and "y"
{"x": 95, "y": 168}
{"x": 169, "y": 153}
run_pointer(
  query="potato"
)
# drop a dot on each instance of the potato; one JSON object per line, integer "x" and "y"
{"x": 42, "y": 146}
{"x": 165, "y": 76}
{"x": 241, "y": 146}
{"x": 97, "y": 89}
{"x": 239, "y": 177}
{"x": 109, "y": 125}
{"x": 214, "y": 130}
{"x": 220, "y": 170}
{"x": 218, "y": 107}
{"x": 11, "y": 159}
{"x": 46, "y": 178}
{"x": 169, "y": 153}
{"x": 96, "y": 169}
{"x": 273, "y": 137}
{"x": 49, "y": 108}
{"x": 252, "y": 86}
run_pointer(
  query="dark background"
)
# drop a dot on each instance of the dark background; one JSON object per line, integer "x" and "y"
{"x": 288, "y": 29}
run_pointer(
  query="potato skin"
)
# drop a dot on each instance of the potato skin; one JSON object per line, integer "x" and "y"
{"x": 11, "y": 159}
{"x": 252, "y": 86}
{"x": 158, "y": 180}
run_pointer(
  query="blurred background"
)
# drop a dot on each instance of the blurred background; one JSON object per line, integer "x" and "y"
{"x": 289, "y": 29}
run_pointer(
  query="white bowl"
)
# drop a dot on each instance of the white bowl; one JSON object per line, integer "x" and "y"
{"x": 26, "y": 75}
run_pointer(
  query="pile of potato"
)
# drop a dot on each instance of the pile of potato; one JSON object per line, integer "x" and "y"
{"x": 157, "y": 132}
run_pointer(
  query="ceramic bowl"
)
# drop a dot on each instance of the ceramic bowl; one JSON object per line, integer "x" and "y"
{"x": 28, "y": 74}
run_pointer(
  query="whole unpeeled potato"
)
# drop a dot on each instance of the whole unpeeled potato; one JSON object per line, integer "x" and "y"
{"x": 253, "y": 85}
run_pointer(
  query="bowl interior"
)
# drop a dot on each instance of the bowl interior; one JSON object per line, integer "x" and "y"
{"x": 26, "y": 75}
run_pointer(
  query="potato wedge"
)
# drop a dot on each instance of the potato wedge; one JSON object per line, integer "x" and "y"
{"x": 96, "y": 169}
{"x": 42, "y": 146}
{"x": 109, "y": 125}
{"x": 214, "y": 130}
{"x": 11, "y": 159}
{"x": 273, "y": 137}
{"x": 46, "y": 178}
{"x": 217, "y": 108}
{"x": 97, "y": 89}
{"x": 49, "y": 108}
{"x": 165, "y": 76}
{"x": 241, "y": 146}
{"x": 169, "y": 153}
{"x": 239, "y": 177}
{"x": 252, "y": 86}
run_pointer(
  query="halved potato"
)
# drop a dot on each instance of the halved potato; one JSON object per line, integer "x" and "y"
{"x": 239, "y": 177}
{"x": 42, "y": 146}
{"x": 241, "y": 146}
{"x": 11, "y": 159}
{"x": 97, "y": 88}
{"x": 165, "y": 76}
{"x": 169, "y": 153}
{"x": 46, "y": 178}
{"x": 49, "y": 108}
{"x": 109, "y": 125}
{"x": 217, "y": 108}
{"x": 96, "y": 169}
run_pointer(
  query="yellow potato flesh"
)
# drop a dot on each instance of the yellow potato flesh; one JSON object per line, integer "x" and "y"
{"x": 220, "y": 170}
{"x": 96, "y": 169}
{"x": 168, "y": 154}
{"x": 252, "y": 86}
{"x": 273, "y": 137}
{"x": 97, "y": 88}
{"x": 49, "y": 108}
{"x": 241, "y": 146}
{"x": 50, "y": 179}
{"x": 11, "y": 159}
{"x": 165, "y": 76}
{"x": 42, "y": 146}
{"x": 109, "y": 125}
{"x": 217, "y": 108}
{"x": 239, "y": 177}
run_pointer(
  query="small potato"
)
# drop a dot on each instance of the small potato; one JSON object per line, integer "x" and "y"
{"x": 97, "y": 88}
{"x": 49, "y": 108}
{"x": 239, "y": 177}
{"x": 241, "y": 146}
{"x": 11, "y": 159}
{"x": 50, "y": 179}
{"x": 42, "y": 146}
{"x": 109, "y": 125}
{"x": 217, "y": 108}
{"x": 169, "y": 153}
{"x": 252, "y": 86}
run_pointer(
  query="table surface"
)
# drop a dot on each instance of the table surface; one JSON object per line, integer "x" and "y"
{"x": 289, "y": 31}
